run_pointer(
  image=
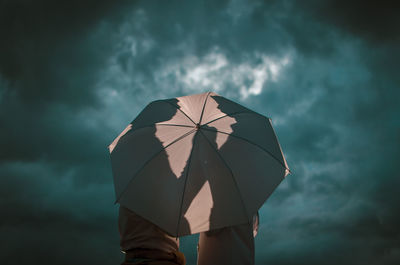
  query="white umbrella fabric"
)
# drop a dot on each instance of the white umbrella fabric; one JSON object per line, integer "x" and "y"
{"x": 196, "y": 163}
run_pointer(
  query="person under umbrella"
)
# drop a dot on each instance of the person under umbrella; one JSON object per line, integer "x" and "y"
{"x": 141, "y": 241}
{"x": 187, "y": 177}
{"x": 232, "y": 245}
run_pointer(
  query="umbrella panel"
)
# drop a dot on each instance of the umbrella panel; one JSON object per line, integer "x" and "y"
{"x": 188, "y": 181}
{"x": 155, "y": 193}
{"x": 256, "y": 172}
{"x": 137, "y": 148}
{"x": 211, "y": 196}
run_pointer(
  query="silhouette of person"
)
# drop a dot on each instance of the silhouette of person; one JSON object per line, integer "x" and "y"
{"x": 233, "y": 245}
{"x": 146, "y": 243}
{"x": 142, "y": 241}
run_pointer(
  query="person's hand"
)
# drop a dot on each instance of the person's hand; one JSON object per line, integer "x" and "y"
{"x": 256, "y": 221}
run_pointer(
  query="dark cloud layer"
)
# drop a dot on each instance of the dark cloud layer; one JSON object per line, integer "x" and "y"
{"x": 377, "y": 22}
{"x": 38, "y": 35}
{"x": 74, "y": 73}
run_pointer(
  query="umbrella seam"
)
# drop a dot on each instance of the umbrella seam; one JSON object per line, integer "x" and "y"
{"x": 148, "y": 161}
{"x": 179, "y": 125}
{"x": 184, "y": 186}
{"x": 163, "y": 124}
{"x": 205, "y": 102}
{"x": 180, "y": 111}
{"x": 235, "y": 113}
{"x": 280, "y": 148}
{"x": 230, "y": 170}
{"x": 244, "y": 139}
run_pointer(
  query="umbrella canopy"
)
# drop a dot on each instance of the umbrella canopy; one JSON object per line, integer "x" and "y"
{"x": 196, "y": 163}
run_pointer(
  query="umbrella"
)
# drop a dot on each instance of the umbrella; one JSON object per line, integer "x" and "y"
{"x": 196, "y": 163}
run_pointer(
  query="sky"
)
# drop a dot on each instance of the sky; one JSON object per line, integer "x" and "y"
{"x": 74, "y": 74}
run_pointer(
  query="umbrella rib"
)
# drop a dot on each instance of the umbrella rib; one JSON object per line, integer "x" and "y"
{"x": 230, "y": 170}
{"x": 180, "y": 111}
{"x": 233, "y": 113}
{"x": 250, "y": 142}
{"x": 179, "y": 125}
{"x": 184, "y": 185}
{"x": 276, "y": 137}
{"x": 163, "y": 124}
{"x": 149, "y": 160}
{"x": 202, "y": 111}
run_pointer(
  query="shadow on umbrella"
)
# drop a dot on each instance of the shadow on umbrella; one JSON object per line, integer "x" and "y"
{"x": 211, "y": 182}
{"x": 196, "y": 163}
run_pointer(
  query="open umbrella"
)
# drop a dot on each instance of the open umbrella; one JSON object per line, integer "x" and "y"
{"x": 196, "y": 163}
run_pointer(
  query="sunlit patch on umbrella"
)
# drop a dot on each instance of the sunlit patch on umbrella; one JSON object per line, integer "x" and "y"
{"x": 203, "y": 199}
{"x": 115, "y": 142}
{"x": 197, "y": 162}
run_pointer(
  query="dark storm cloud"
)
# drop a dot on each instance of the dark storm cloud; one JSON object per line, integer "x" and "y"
{"x": 73, "y": 74}
{"x": 49, "y": 50}
{"x": 377, "y": 22}
{"x": 54, "y": 171}
{"x": 351, "y": 128}
{"x": 46, "y": 214}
